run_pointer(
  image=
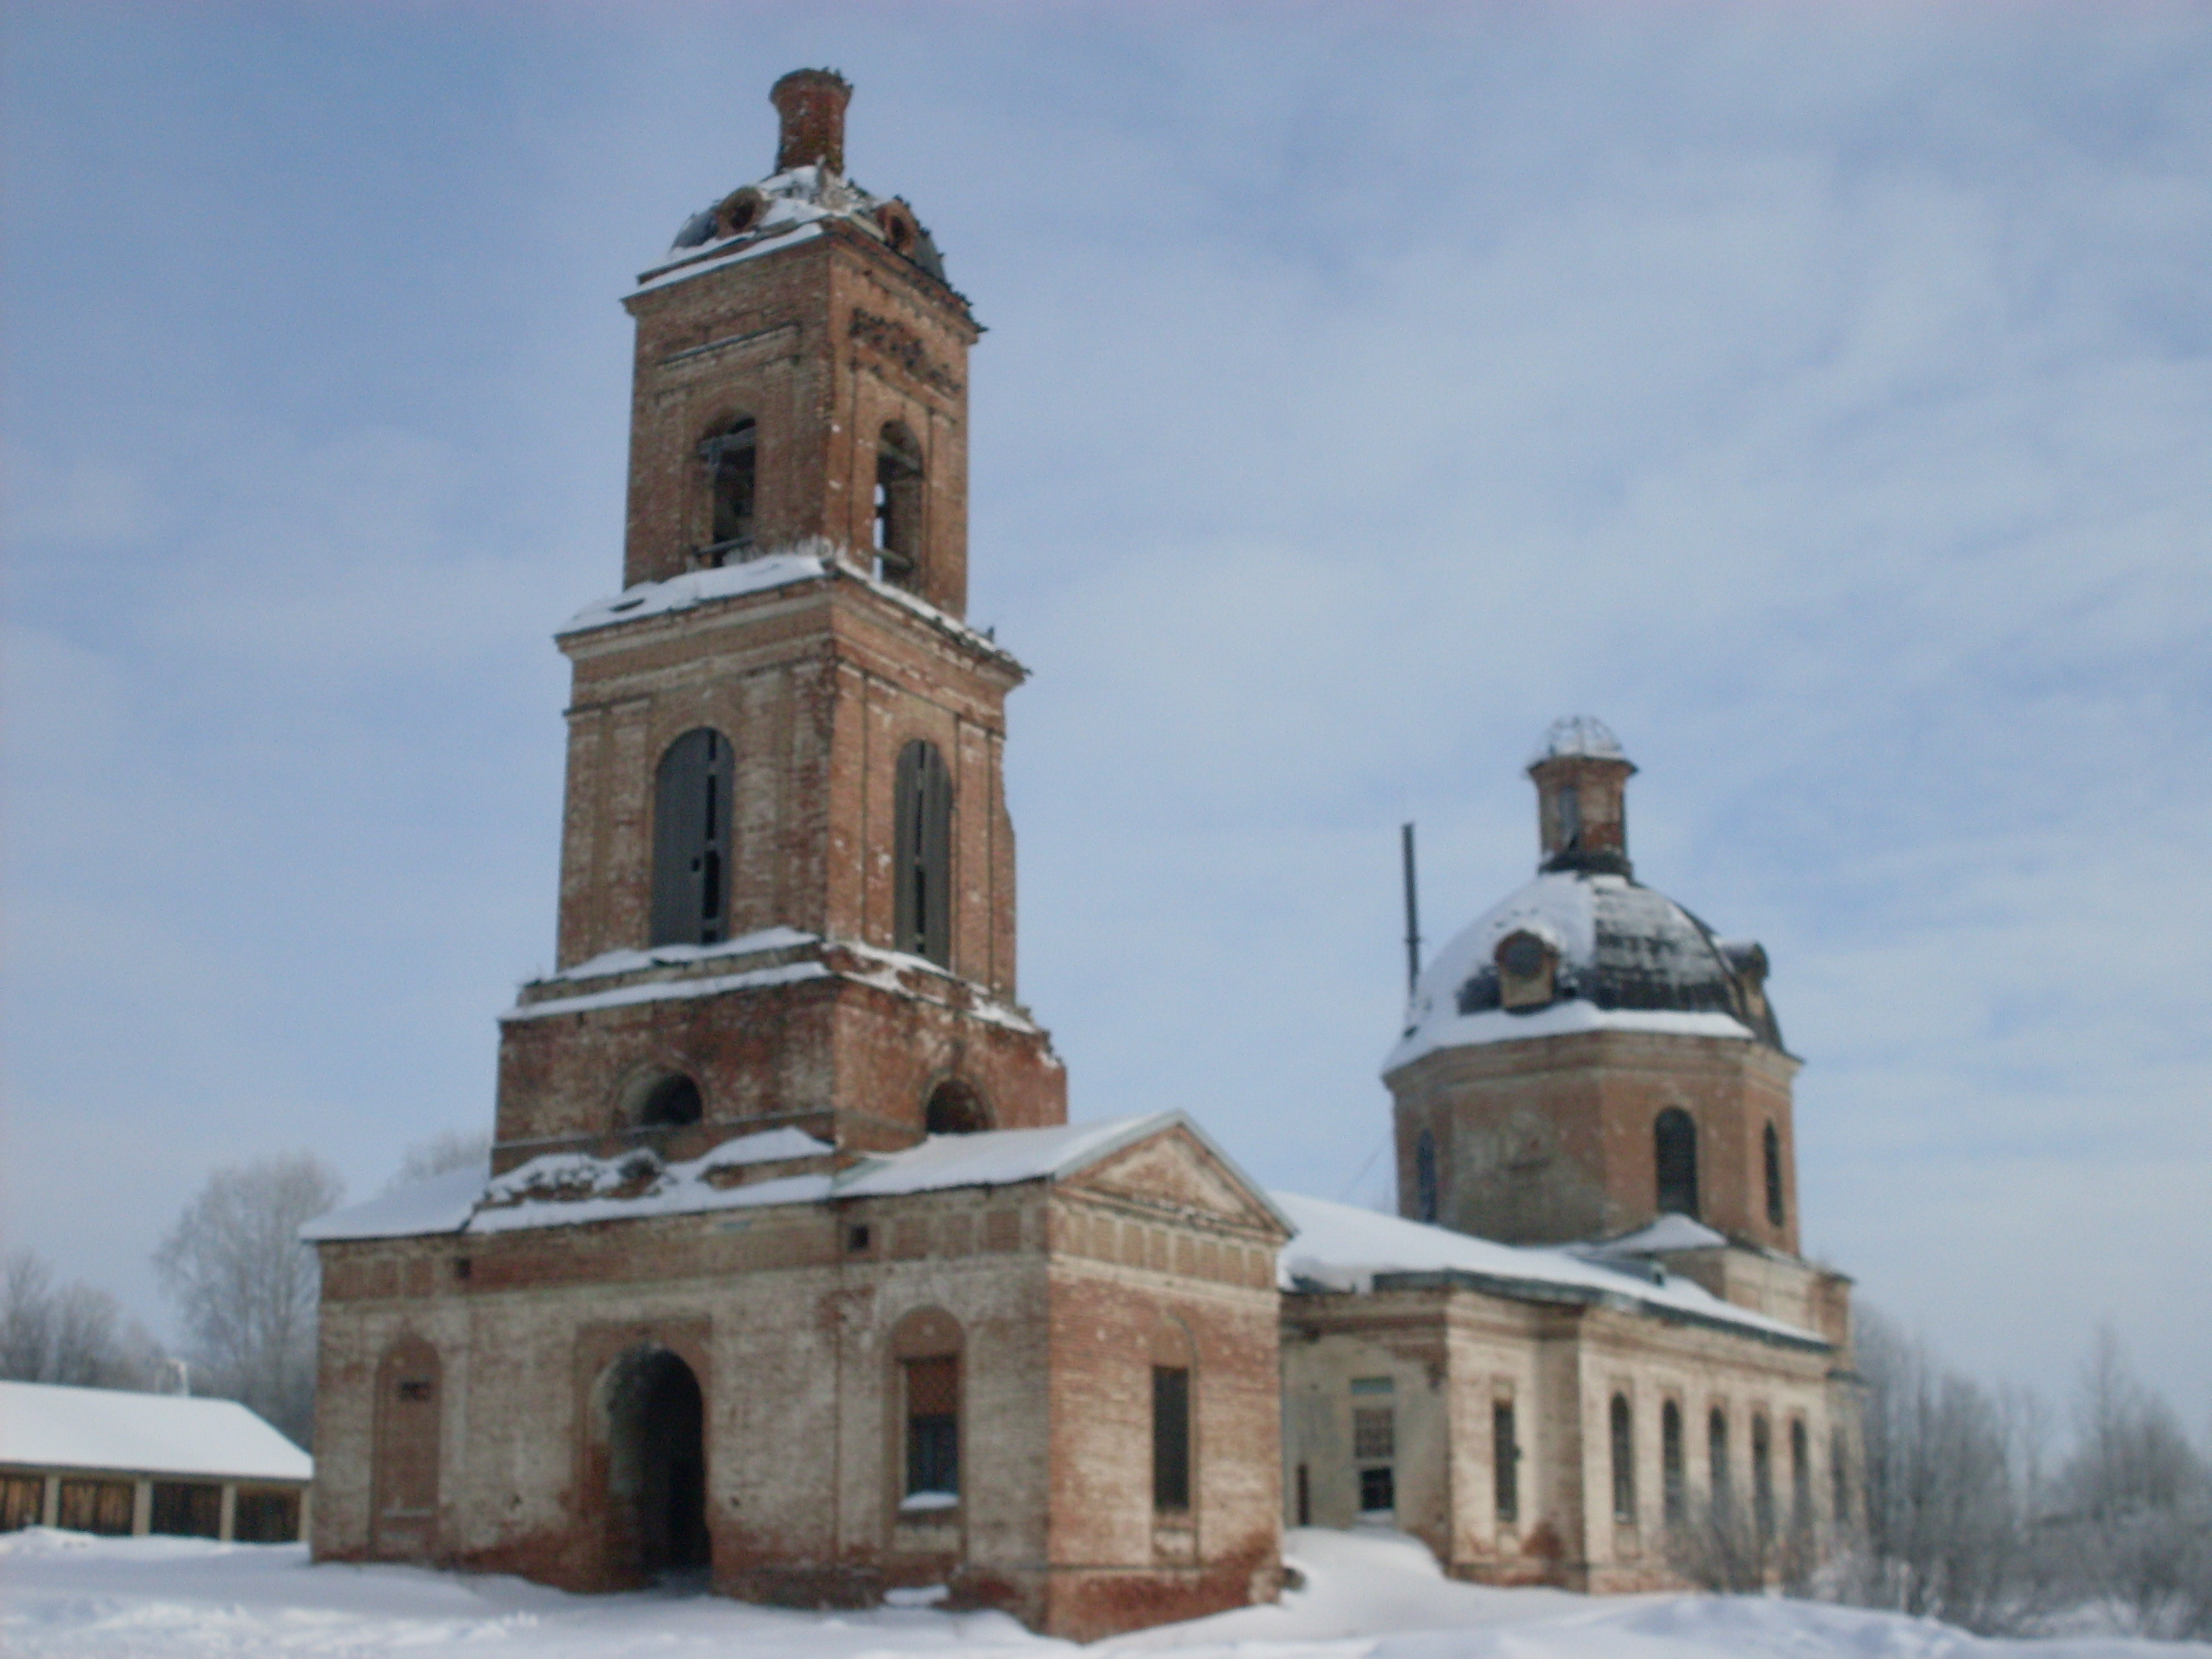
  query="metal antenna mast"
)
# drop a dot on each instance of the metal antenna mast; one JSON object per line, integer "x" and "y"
{"x": 1413, "y": 916}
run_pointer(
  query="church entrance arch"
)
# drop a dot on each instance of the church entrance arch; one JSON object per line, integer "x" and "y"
{"x": 656, "y": 1464}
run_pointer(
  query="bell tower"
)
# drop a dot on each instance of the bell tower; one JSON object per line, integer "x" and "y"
{"x": 787, "y": 871}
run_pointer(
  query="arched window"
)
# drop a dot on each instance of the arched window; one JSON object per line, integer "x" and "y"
{"x": 1801, "y": 1477}
{"x": 1839, "y": 1477}
{"x": 1716, "y": 1450}
{"x": 1674, "y": 1487}
{"x": 404, "y": 1472}
{"x": 1773, "y": 1175}
{"x": 1424, "y": 1177}
{"x": 898, "y": 505}
{"x": 691, "y": 840}
{"x": 1624, "y": 1461}
{"x": 1674, "y": 1150}
{"x": 1762, "y": 1477}
{"x": 1174, "y": 1369}
{"x": 731, "y": 470}
{"x": 955, "y": 1109}
{"x": 921, "y": 860}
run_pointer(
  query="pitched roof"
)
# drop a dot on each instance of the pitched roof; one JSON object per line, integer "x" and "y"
{"x": 570, "y": 1188}
{"x": 45, "y": 1426}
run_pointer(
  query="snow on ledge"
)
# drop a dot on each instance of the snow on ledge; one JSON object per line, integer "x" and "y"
{"x": 666, "y": 990}
{"x": 610, "y": 962}
{"x": 1560, "y": 1018}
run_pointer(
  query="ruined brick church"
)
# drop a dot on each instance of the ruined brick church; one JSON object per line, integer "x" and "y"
{"x": 791, "y": 1275}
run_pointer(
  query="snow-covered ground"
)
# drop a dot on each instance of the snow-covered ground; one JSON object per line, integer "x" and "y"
{"x": 1366, "y": 1596}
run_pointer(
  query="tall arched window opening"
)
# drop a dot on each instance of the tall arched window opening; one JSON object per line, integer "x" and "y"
{"x": 691, "y": 840}
{"x": 1839, "y": 1478}
{"x": 731, "y": 472}
{"x": 1773, "y": 1140}
{"x": 1504, "y": 1463}
{"x": 1674, "y": 1153}
{"x": 1624, "y": 1461}
{"x": 926, "y": 1351}
{"x": 922, "y": 858}
{"x": 1762, "y": 1477}
{"x": 899, "y": 480}
{"x": 1424, "y": 1177}
{"x": 1673, "y": 1486}
{"x": 1801, "y": 1477}
{"x": 1716, "y": 1450}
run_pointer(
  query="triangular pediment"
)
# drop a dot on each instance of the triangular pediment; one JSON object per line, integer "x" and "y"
{"x": 1175, "y": 1169}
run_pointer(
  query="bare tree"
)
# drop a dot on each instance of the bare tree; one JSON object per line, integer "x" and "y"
{"x": 456, "y": 1149}
{"x": 73, "y": 1334}
{"x": 244, "y": 1286}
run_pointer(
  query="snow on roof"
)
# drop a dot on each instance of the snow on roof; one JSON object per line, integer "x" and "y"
{"x": 567, "y": 1189}
{"x": 45, "y": 1426}
{"x": 789, "y": 207}
{"x": 1339, "y": 1248}
{"x": 1569, "y": 909}
{"x": 1669, "y": 1232}
{"x": 1578, "y": 734}
{"x": 811, "y": 560}
{"x": 664, "y": 990}
{"x": 668, "y": 956}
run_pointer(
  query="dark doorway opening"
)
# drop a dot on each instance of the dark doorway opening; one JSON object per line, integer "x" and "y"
{"x": 657, "y": 1472}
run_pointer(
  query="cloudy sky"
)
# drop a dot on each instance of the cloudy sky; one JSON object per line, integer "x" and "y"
{"x": 1823, "y": 397}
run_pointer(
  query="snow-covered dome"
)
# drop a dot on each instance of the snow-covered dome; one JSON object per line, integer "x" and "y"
{"x": 1603, "y": 953}
{"x": 1578, "y": 734}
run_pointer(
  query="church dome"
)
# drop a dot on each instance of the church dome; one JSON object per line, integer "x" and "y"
{"x": 1584, "y": 946}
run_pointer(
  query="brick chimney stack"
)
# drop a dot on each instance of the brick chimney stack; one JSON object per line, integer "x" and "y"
{"x": 813, "y": 105}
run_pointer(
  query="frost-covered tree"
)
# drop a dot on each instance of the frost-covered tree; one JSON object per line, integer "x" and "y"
{"x": 244, "y": 1286}
{"x": 2133, "y": 1516}
{"x": 456, "y": 1149}
{"x": 75, "y": 1334}
{"x": 1949, "y": 1477}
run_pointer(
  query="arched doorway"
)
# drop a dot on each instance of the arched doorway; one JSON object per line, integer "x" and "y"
{"x": 657, "y": 1463}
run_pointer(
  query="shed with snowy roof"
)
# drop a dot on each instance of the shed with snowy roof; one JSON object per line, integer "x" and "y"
{"x": 110, "y": 1461}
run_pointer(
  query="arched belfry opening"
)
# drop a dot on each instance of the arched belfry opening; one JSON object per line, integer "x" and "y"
{"x": 656, "y": 1464}
{"x": 899, "y": 479}
{"x": 733, "y": 476}
{"x": 1674, "y": 1152}
{"x": 922, "y": 859}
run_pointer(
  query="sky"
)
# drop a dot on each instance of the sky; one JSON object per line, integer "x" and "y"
{"x": 1819, "y": 395}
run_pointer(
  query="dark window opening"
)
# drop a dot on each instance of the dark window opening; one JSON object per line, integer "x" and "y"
{"x": 1762, "y": 1477}
{"x": 187, "y": 1508}
{"x": 730, "y": 465}
{"x": 922, "y": 858}
{"x": 673, "y": 1102}
{"x": 1378, "y": 1490}
{"x": 1800, "y": 1476}
{"x": 933, "y": 1427}
{"x": 856, "y": 1239}
{"x": 1717, "y": 1448}
{"x": 1505, "y": 1461}
{"x": 1305, "y": 1497}
{"x": 955, "y": 1109}
{"x": 1674, "y": 1486}
{"x": 898, "y": 506}
{"x": 1426, "y": 1193}
{"x": 1674, "y": 1150}
{"x": 1170, "y": 1437}
{"x": 1773, "y": 1175}
{"x": 1624, "y": 1461}
{"x": 657, "y": 1471}
{"x": 265, "y": 1518}
{"x": 1839, "y": 1478}
{"x": 1571, "y": 819}
{"x": 691, "y": 840}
